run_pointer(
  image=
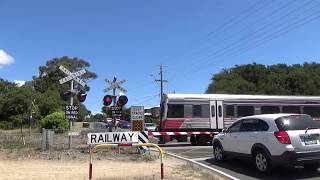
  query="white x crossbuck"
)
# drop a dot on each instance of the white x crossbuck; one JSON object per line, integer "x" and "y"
{"x": 72, "y": 76}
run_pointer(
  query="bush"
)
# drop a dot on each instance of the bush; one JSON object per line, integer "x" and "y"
{"x": 55, "y": 120}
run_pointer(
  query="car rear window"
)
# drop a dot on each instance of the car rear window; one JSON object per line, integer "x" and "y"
{"x": 296, "y": 122}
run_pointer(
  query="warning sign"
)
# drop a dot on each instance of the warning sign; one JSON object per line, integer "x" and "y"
{"x": 116, "y": 111}
{"x": 137, "y": 112}
{"x": 71, "y": 112}
{"x": 113, "y": 137}
{"x": 137, "y": 125}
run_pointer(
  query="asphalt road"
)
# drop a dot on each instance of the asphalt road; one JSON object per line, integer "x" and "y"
{"x": 238, "y": 168}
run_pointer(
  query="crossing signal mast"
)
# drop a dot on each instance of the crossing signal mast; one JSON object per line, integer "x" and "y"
{"x": 109, "y": 99}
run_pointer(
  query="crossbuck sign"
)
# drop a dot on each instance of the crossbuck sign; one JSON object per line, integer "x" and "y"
{"x": 72, "y": 76}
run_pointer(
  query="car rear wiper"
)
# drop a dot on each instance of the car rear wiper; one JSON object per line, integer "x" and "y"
{"x": 310, "y": 128}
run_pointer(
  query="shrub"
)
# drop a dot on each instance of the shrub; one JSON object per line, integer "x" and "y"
{"x": 55, "y": 120}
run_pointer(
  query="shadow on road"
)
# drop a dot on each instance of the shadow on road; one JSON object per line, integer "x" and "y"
{"x": 248, "y": 169}
{"x": 175, "y": 145}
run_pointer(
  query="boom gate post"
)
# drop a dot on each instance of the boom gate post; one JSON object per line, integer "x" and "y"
{"x": 94, "y": 148}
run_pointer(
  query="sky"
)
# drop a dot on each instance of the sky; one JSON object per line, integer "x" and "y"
{"x": 193, "y": 40}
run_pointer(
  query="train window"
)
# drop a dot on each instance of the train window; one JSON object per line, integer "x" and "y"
{"x": 187, "y": 110}
{"x": 245, "y": 110}
{"x": 175, "y": 111}
{"x": 205, "y": 110}
{"x": 291, "y": 109}
{"x": 230, "y": 110}
{"x": 196, "y": 111}
{"x": 270, "y": 109}
{"x": 313, "y": 111}
{"x": 220, "y": 111}
{"x": 213, "y": 111}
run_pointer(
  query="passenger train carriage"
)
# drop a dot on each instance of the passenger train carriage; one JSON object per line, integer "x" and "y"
{"x": 213, "y": 112}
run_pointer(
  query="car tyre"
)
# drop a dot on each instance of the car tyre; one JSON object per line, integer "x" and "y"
{"x": 261, "y": 160}
{"x": 218, "y": 152}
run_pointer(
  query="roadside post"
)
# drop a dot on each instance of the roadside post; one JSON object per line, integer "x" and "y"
{"x": 71, "y": 109}
{"x": 118, "y": 139}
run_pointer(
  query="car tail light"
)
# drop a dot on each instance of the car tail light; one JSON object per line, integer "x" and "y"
{"x": 282, "y": 137}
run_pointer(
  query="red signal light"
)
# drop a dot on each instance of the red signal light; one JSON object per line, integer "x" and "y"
{"x": 107, "y": 100}
{"x": 82, "y": 97}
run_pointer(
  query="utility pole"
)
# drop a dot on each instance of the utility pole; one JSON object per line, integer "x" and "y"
{"x": 161, "y": 80}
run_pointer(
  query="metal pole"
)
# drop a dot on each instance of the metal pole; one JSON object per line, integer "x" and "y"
{"x": 71, "y": 103}
{"x": 161, "y": 94}
{"x": 30, "y": 118}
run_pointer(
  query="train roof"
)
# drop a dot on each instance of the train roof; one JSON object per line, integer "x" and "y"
{"x": 239, "y": 97}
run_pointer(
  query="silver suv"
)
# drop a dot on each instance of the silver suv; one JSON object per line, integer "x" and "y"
{"x": 271, "y": 140}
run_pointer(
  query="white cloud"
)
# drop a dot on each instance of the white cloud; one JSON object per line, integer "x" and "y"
{"x": 19, "y": 82}
{"x": 5, "y": 58}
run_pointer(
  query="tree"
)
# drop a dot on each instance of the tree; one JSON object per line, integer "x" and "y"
{"x": 15, "y": 106}
{"x": 50, "y": 74}
{"x": 278, "y": 79}
{"x": 47, "y": 83}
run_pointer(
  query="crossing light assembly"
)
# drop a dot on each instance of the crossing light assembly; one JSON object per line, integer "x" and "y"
{"x": 107, "y": 100}
{"x": 122, "y": 100}
{"x": 82, "y": 96}
{"x": 66, "y": 95}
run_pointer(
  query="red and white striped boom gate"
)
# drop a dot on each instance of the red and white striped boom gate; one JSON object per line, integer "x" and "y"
{"x": 150, "y": 133}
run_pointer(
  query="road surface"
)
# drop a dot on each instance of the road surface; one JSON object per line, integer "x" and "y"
{"x": 235, "y": 167}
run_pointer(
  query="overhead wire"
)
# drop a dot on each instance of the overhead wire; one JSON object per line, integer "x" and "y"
{"x": 259, "y": 29}
{"x": 250, "y": 11}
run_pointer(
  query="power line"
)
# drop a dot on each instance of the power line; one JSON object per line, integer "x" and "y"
{"x": 255, "y": 8}
{"x": 260, "y": 28}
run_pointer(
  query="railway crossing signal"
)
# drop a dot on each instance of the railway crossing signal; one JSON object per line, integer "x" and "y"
{"x": 122, "y": 100}
{"x": 73, "y": 77}
{"x": 114, "y": 85}
{"x": 107, "y": 100}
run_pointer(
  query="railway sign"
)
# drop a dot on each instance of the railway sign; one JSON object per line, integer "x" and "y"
{"x": 115, "y": 85}
{"x": 113, "y": 138}
{"x": 71, "y": 112}
{"x": 116, "y": 111}
{"x": 72, "y": 76}
{"x": 137, "y": 112}
{"x": 137, "y": 118}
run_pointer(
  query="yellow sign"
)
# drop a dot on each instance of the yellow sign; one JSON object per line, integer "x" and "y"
{"x": 137, "y": 125}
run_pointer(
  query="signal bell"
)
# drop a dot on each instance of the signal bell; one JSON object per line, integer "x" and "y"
{"x": 107, "y": 100}
{"x": 122, "y": 100}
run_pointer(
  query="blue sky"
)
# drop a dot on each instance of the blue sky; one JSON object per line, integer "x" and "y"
{"x": 192, "y": 39}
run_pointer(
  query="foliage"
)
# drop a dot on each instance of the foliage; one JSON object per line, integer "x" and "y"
{"x": 15, "y": 106}
{"x": 278, "y": 79}
{"x": 41, "y": 96}
{"x": 47, "y": 83}
{"x": 55, "y": 120}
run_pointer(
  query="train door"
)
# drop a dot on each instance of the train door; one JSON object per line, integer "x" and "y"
{"x": 216, "y": 114}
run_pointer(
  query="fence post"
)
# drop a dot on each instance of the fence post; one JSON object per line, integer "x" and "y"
{"x": 44, "y": 138}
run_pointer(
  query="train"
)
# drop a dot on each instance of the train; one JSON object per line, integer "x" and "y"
{"x": 214, "y": 112}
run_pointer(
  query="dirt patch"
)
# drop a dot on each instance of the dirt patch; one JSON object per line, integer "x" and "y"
{"x": 24, "y": 164}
